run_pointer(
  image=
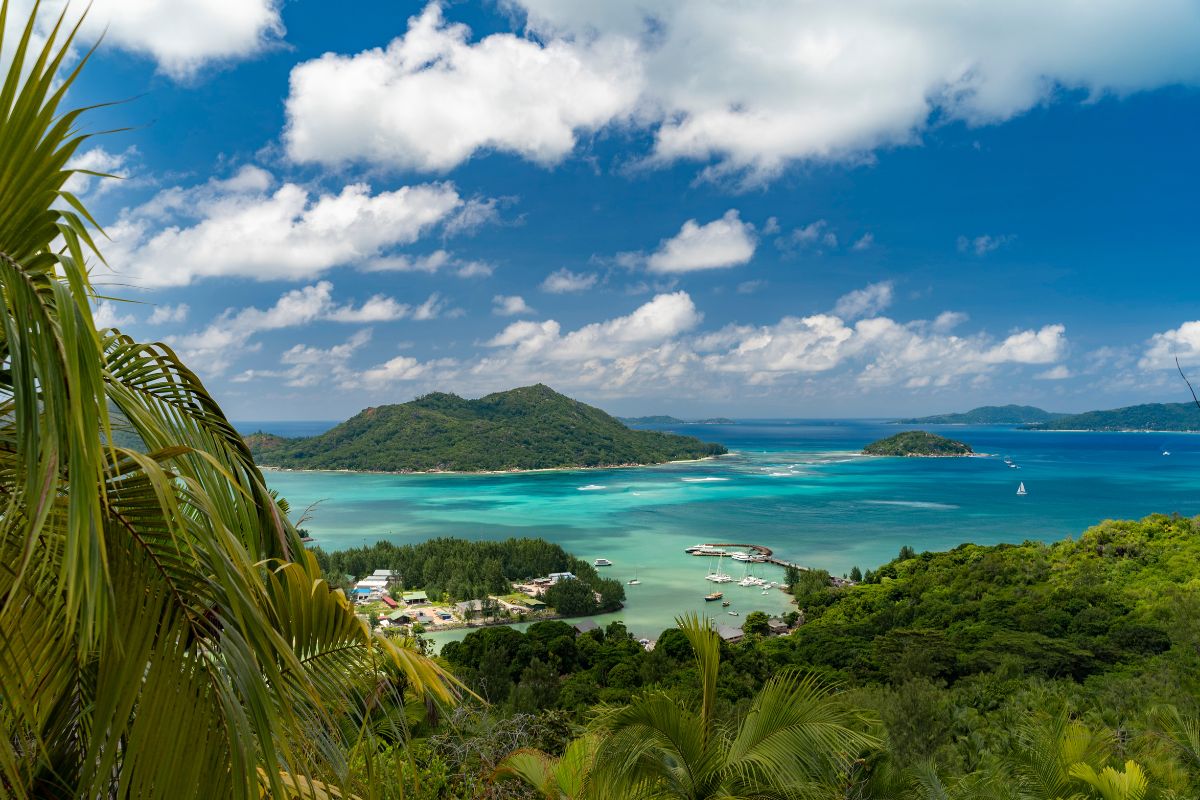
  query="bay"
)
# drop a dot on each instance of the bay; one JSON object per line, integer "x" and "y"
{"x": 796, "y": 486}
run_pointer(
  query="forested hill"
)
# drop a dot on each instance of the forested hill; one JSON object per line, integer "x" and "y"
{"x": 988, "y": 415}
{"x": 1147, "y": 417}
{"x": 533, "y": 427}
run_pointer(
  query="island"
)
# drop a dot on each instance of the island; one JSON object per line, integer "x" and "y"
{"x": 917, "y": 443}
{"x": 1145, "y": 417}
{"x": 988, "y": 415}
{"x": 533, "y": 427}
{"x": 666, "y": 420}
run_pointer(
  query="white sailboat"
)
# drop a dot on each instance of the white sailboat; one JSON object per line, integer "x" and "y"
{"x": 717, "y": 576}
{"x": 634, "y": 581}
{"x": 1021, "y": 489}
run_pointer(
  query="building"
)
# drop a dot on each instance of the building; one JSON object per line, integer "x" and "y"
{"x": 400, "y": 617}
{"x": 586, "y": 626}
{"x": 389, "y": 602}
{"x": 728, "y": 634}
{"x": 469, "y": 608}
{"x": 777, "y": 626}
{"x": 555, "y": 577}
{"x": 415, "y": 598}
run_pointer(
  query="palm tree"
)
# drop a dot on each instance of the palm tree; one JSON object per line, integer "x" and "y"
{"x": 563, "y": 778}
{"x": 163, "y": 633}
{"x": 1048, "y": 752}
{"x": 796, "y": 739}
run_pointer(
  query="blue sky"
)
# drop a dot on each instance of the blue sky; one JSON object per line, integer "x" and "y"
{"x": 825, "y": 209}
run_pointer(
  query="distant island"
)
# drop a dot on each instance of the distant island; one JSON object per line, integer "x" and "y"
{"x": 665, "y": 420}
{"x": 988, "y": 415}
{"x": 1145, "y": 417}
{"x": 917, "y": 443}
{"x": 533, "y": 427}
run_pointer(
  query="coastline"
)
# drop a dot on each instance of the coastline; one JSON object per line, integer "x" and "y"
{"x": 266, "y": 468}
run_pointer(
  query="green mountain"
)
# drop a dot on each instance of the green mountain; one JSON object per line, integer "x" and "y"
{"x": 1146, "y": 417}
{"x": 988, "y": 415}
{"x": 657, "y": 420}
{"x": 917, "y": 443}
{"x": 533, "y": 427}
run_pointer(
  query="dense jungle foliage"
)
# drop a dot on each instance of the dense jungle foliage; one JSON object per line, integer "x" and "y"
{"x": 980, "y": 672}
{"x": 533, "y": 427}
{"x": 1145, "y": 417}
{"x": 917, "y": 443}
{"x": 457, "y": 569}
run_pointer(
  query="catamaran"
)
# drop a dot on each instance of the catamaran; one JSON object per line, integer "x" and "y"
{"x": 601, "y": 562}
{"x": 1021, "y": 489}
{"x": 717, "y": 576}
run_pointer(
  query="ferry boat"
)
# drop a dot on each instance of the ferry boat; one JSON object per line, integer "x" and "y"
{"x": 704, "y": 550}
{"x": 708, "y": 598}
{"x": 601, "y": 562}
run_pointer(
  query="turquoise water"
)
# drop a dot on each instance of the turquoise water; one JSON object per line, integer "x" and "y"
{"x": 796, "y": 486}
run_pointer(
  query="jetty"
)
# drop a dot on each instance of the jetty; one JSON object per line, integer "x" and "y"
{"x": 762, "y": 553}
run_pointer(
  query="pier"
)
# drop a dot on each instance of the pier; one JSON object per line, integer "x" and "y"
{"x": 764, "y": 553}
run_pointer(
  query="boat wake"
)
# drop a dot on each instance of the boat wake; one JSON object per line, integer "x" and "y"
{"x": 702, "y": 480}
{"x": 591, "y": 487}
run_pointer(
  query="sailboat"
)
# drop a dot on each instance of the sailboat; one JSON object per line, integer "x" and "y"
{"x": 718, "y": 576}
{"x": 1021, "y": 488}
{"x": 634, "y": 581}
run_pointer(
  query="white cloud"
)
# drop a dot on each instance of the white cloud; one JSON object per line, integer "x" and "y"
{"x": 429, "y": 263}
{"x": 97, "y": 159}
{"x": 167, "y": 313}
{"x": 864, "y": 242}
{"x": 1058, "y": 373}
{"x": 777, "y": 83}
{"x": 814, "y": 234}
{"x": 724, "y": 242}
{"x": 181, "y": 36}
{"x": 230, "y": 335}
{"x": 982, "y": 245}
{"x": 107, "y": 314}
{"x": 1043, "y": 346}
{"x": 564, "y": 281}
{"x": 662, "y": 318}
{"x": 240, "y": 227}
{"x": 780, "y": 82}
{"x": 750, "y": 287}
{"x": 431, "y": 99}
{"x": 1182, "y": 343}
{"x": 306, "y": 365}
{"x": 864, "y": 302}
{"x": 510, "y": 305}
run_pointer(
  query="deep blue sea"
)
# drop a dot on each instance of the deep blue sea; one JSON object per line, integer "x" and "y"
{"x": 797, "y": 486}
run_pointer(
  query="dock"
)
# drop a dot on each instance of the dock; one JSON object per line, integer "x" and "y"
{"x": 761, "y": 551}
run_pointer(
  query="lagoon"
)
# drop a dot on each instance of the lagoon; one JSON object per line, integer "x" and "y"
{"x": 797, "y": 486}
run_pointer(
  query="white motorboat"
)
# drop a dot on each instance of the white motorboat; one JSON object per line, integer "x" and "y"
{"x": 601, "y": 562}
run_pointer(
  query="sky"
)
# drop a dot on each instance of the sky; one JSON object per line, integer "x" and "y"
{"x": 817, "y": 209}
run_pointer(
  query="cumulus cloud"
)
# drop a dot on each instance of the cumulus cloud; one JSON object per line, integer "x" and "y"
{"x": 1057, "y": 373}
{"x": 864, "y": 302}
{"x": 564, "y": 281}
{"x": 777, "y": 83}
{"x": 438, "y": 260}
{"x": 984, "y": 244}
{"x": 168, "y": 314}
{"x": 107, "y": 314}
{"x": 1163, "y": 348}
{"x": 864, "y": 242}
{"x": 432, "y": 98}
{"x": 245, "y": 226}
{"x": 658, "y": 345}
{"x": 229, "y": 336}
{"x": 814, "y": 234}
{"x": 181, "y": 36}
{"x": 510, "y": 305}
{"x": 97, "y": 159}
{"x": 724, "y": 242}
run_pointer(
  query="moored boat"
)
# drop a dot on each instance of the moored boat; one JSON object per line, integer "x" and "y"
{"x": 708, "y": 598}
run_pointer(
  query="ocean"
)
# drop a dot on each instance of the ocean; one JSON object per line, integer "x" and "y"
{"x": 796, "y": 486}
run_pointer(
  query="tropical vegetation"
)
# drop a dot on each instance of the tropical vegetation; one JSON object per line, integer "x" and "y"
{"x": 988, "y": 415}
{"x": 1145, "y": 417}
{"x": 533, "y": 427}
{"x": 458, "y": 569}
{"x": 164, "y": 633}
{"x": 917, "y": 443}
